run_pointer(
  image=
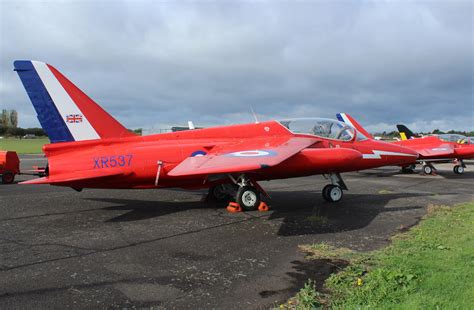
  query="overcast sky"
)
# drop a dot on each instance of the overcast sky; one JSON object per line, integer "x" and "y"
{"x": 154, "y": 64}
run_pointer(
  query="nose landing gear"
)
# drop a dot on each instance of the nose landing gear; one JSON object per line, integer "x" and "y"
{"x": 334, "y": 192}
{"x": 458, "y": 169}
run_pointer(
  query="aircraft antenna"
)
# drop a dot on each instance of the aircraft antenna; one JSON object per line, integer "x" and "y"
{"x": 254, "y": 115}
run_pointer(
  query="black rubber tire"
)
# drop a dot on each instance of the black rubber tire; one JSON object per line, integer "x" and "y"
{"x": 334, "y": 193}
{"x": 248, "y": 198}
{"x": 8, "y": 178}
{"x": 427, "y": 169}
{"x": 458, "y": 169}
{"x": 325, "y": 194}
{"x": 216, "y": 194}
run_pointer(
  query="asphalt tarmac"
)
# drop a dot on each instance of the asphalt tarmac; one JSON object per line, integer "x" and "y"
{"x": 167, "y": 249}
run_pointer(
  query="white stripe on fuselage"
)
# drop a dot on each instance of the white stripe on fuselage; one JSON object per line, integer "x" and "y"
{"x": 376, "y": 154}
{"x": 63, "y": 102}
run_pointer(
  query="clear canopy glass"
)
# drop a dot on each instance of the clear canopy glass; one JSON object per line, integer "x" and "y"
{"x": 451, "y": 137}
{"x": 322, "y": 127}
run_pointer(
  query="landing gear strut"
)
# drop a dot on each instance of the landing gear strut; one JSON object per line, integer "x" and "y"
{"x": 334, "y": 192}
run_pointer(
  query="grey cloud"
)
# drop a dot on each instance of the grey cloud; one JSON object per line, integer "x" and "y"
{"x": 155, "y": 64}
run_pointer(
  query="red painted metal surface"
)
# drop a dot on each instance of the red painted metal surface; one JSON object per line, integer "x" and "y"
{"x": 132, "y": 162}
{"x": 9, "y": 162}
{"x": 432, "y": 148}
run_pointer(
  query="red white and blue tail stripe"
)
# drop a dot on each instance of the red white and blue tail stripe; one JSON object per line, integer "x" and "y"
{"x": 346, "y": 118}
{"x": 64, "y": 111}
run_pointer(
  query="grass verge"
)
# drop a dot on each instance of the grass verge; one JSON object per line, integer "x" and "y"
{"x": 429, "y": 267}
{"x": 23, "y": 146}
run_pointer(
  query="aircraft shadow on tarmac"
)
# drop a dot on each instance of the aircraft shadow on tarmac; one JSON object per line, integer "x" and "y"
{"x": 311, "y": 215}
{"x": 417, "y": 173}
{"x": 355, "y": 211}
{"x": 146, "y": 209}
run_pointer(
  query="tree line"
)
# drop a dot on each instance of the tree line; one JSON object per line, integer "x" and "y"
{"x": 9, "y": 118}
{"x": 9, "y": 126}
{"x": 393, "y": 134}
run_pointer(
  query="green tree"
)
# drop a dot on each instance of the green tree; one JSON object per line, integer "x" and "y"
{"x": 5, "y": 118}
{"x": 14, "y": 118}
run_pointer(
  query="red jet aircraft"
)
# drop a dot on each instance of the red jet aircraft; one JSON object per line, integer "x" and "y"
{"x": 430, "y": 149}
{"x": 436, "y": 149}
{"x": 90, "y": 149}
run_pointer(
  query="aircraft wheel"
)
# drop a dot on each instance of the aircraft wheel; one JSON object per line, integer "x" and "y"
{"x": 218, "y": 193}
{"x": 325, "y": 192}
{"x": 248, "y": 197}
{"x": 458, "y": 169}
{"x": 332, "y": 193}
{"x": 427, "y": 169}
{"x": 8, "y": 178}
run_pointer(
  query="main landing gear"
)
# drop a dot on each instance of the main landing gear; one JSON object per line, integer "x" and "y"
{"x": 334, "y": 192}
{"x": 459, "y": 167}
{"x": 247, "y": 194}
{"x": 409, "y": 169}
{"x": 222, "y": 192}
{"x": 248, "y": 197}
{"x": 428, "y": 169}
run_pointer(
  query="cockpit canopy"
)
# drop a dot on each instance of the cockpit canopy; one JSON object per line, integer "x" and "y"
{"x": 322, "y": 127}
{"x": 451, "y": 137}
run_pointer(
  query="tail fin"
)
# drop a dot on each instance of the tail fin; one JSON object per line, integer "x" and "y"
{"x": 64, "y": 111}
{"x": 346, "y": 118}
{"x": 405, "y": 133}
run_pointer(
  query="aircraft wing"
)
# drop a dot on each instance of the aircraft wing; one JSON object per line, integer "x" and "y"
{"x": 243, "y": 156}
{"x": 429, "y": 146}
{"x": 74, "y": 177}
{"x": 435, "y": 151}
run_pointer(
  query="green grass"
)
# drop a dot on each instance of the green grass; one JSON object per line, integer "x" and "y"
{"x": 23, "y": 146}
{"x": 429, "y": 267}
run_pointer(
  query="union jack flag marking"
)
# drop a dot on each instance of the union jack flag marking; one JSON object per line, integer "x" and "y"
{"x": 74, "y": 118}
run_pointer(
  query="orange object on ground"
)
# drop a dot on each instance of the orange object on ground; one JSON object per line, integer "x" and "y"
{"x": 9, "y": 166}
{"x": 263, "y": 207}
{"x": 234, "y": 207}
